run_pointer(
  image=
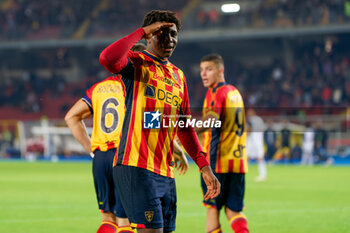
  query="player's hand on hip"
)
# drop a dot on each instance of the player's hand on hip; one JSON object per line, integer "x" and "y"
{"x": 213, "y": 185}
{"x": 155, "y": 29}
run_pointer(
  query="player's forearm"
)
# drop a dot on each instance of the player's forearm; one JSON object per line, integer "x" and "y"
{"x": 79, "y": 132}
{"x": 189, "y": 140}
{"x": 114, "y": 57}
{"x": 177, "y": 148}
{"x": 74, "y": 119}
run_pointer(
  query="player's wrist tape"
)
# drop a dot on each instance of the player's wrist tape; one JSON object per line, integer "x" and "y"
{"x": 92, "y": 155}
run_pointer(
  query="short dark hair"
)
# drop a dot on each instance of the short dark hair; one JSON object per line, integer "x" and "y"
{"x": 214, "y": 57}
{"x": 161, "y": 16}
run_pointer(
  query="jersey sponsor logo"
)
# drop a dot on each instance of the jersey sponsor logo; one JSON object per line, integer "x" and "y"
{"x": 238, "y": 153}
{"x": 151, "y": 120}
{"x": 149, "y": 215}
{"x": 163, "y": 95}
{"x": 164, "y": 79}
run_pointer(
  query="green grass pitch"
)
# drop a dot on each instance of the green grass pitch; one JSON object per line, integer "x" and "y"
{"x": 45, "y": 197}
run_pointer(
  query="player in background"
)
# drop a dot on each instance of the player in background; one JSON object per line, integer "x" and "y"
{"x": 255, "y": 142}
{"x": 307, "y": 157}
{"x": 286, "y": 135}
{"x": 105, "y": 101}
{"x": 156, "y": 87}
{"x": 270, "y": 137}
{"x": 225, "y": 145}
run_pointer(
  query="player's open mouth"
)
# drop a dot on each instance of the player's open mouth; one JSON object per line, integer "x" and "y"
{"x": 168, "y": 49}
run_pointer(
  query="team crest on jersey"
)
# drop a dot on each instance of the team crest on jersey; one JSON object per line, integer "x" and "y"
{"x": 175, "y": 76}
{"x": 149, "y": 215}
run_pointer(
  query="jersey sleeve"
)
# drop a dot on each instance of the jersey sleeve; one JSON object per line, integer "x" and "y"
{"x": 234, "y": 99}
{"x": 234, "y": 103}
{"x": 115, "y": 57}
{"x": 188, "y": 136}
{"x": 88, "y": 98}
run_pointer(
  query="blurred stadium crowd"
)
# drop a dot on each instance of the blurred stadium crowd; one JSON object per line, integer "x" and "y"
{"x": 276, "y": 13}
{"x": 38, "y": 19}
{"x": 315, "y": 78}
{"x": 314, "y": 70}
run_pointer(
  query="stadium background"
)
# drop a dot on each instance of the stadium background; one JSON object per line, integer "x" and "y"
{"x": 289, "y": 58}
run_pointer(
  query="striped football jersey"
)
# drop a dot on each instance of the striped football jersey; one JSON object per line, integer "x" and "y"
{"x": 225, "y": 146}
{"x": 106, "y": 100}
{"x": 156, "y": 94}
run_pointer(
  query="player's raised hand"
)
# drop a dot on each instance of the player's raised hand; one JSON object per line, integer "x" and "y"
{"x": 213, "y": 185}
{"x": 155, "y": 29}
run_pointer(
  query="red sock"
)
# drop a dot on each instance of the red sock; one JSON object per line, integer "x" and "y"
{"x": 217, "y": 230}
{"x": 107, "y": 227}
{"x": 125, "y": 229}
{"x": 239, "y": 224}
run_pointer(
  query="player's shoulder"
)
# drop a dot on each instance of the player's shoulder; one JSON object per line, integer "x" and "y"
{"x": 175, "y": 68}
{"x": 233, "y": 95}
{"x": 231, "y": 87}
{"x": 226, "y": 88}
{"x": 112, "y": 80}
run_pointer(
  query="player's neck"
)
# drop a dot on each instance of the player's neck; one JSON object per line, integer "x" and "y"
{"x": 154, "y": 53}
{"x": 221, "y": 80}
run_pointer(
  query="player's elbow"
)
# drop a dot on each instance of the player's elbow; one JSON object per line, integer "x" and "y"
{"x": 106, "y": 63}
{"x": 69, "y": 119}
{"x": 103, "y": 61}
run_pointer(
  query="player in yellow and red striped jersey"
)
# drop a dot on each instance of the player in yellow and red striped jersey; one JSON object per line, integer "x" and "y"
{"x": 105, "y": 101}
{"x": 156, "y": 91}
{"x": 225, "y": 145}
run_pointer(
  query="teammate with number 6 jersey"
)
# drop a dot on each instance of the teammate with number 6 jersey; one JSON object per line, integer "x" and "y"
{"x": 105, "y": 101}
{"x": 225, "y": 146}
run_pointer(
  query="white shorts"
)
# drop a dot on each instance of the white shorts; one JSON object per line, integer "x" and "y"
{"x": 255, "y": 146}
{"x": 255, "y": 152}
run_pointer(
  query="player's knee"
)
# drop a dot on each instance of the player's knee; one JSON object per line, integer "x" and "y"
{"x": 230, "y": 213}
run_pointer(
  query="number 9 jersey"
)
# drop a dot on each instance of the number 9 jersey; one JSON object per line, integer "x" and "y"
{"x": 106, "y": 101}
{"x": 226, "y": 146}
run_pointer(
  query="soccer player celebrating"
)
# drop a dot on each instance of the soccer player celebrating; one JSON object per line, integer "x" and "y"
{"x": 156, "y": 91}
{"x": 225, "y": 145}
